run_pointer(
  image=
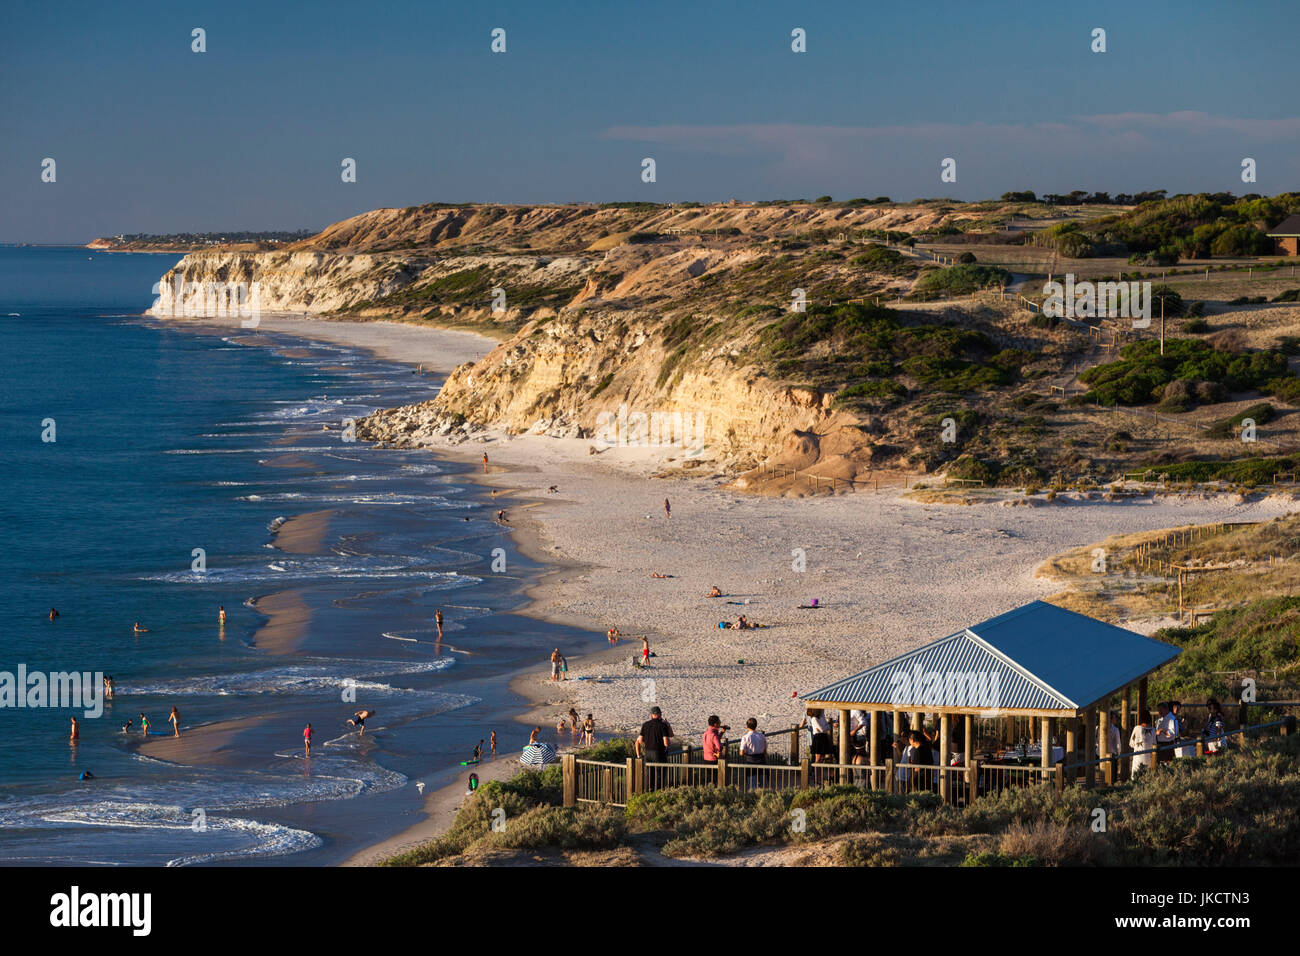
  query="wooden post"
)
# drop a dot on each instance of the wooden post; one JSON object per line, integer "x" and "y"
{"x": 970, "y": 740}
{"x": 607, "y": 788}
{"x": 1059, "y": 777}
{"x": 1089, "y": 745}
{"x": 972, "y": 781}
{"x": 844, "y": 746}
{"x": 639, "y": 771}
{"x": 722, "y": 772}
{"x": 891, "y": 785}
{"x": 874, "y": 758}
{"x": 630, "y": 778}
{"x": 945, "y": 756}
{"x": 803, "y": 774}
{"x": 1071, "y": 744}
{"x": 1125, "y": 731}
{"x": 1045, "y": 738}
{"x": 1103, "y": 739}
{"x": 570, "y": 767}
{"x": 794, "y": 747}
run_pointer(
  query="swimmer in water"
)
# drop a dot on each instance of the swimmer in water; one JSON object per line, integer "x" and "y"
{"x": 109, "y": 686}
{"x": 126, "y": 727}
{"x": 221, "y": 615}
{"x": 140, "y": 630}
{"x": 76, "y": 731}
{"x": 53, "y": 614}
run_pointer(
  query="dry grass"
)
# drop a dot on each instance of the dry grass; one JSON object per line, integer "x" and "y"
{"x": 1242, "y": 564}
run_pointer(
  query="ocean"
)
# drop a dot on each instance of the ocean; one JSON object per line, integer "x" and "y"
{"x": 177, "y": 455}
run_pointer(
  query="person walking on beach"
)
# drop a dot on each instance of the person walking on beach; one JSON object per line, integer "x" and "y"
{"x": 306, "y": 738}
{"x": 555, "y": 664}
{"x": 645, "y": 651}
{"x": 564, "y": 668}
{"x": 437, "y": 619}
{"x": 492, "y": 739}
{"x": 668, "y": 509}
{"x": 613, "y": 636}
{"x": 485, "y": 463}
{"x": 175, "y": 718}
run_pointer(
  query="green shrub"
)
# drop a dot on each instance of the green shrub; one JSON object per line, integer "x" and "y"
{"x": 962, "y": 279}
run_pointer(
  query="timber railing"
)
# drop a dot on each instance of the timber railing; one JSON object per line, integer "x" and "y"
{"x": 592, "y": 781}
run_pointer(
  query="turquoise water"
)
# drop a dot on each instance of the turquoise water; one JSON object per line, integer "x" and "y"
{"x": 170, "y": 440}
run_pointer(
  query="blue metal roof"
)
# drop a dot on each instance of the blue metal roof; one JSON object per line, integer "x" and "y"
{"x": 1037, "y": 657}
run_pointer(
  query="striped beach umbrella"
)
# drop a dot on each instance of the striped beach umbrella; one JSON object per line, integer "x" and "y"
{"x": 538, "y": 755}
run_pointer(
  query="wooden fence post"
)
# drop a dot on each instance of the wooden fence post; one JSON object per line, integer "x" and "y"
{"x": 794, "y": 747}
{"x": 628, "y": 780}
{"x": 890, "y": 783}
{"x": 570, "y": 780}
{"x": 1060, "y": 778}
{"x": 803, "y": 774}
{"x": 640, "y": 775}
{"x": 972, "y": 782}
{"x": 722, "y": 772}
{"x": 606, "y": 791}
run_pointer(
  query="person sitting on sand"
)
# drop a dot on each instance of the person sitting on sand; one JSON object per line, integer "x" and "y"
{"x": 714, "y": 592}
{"x": 613, "y": 636}
{"x": 552, "y": 490}
{"x": 656, "y": 574}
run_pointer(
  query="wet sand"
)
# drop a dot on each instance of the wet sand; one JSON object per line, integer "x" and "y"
{"x": 210, "y": 745}
{"x": 289, "y": 619}
{"x": 304, "y": 533}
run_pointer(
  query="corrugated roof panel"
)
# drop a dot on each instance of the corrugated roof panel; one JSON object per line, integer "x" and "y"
{"x": 1037, "y": 657}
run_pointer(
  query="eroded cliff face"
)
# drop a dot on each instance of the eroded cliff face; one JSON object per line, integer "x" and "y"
{"x": 302, "y": 282}
{"x": 609, "y": 377}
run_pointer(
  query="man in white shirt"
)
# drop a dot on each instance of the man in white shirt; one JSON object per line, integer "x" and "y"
{"x": 1142, "y": 738}
{"x": 1166, "y": 732}
{"x": 753, "y": 750}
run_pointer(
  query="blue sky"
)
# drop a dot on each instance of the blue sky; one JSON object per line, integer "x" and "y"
{"x": 151, "y": 137}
